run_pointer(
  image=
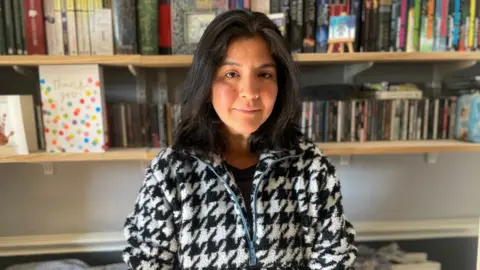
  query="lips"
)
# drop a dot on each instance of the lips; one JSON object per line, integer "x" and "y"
{"x": 247, "y": 110}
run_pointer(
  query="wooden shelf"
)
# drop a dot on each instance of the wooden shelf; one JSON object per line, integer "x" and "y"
{"x": 399, "y": 147}
{"x": 329, "y": 149}
{"x": 115, "y": 154}
{"x": 171, "y": 61}
{"x": 35, "y": 60}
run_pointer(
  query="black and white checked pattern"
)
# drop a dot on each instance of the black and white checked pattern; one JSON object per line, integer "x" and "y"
{"x": 190, "y": 214}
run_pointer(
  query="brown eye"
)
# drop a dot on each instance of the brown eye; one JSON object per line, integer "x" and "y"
{"x": 231, "y": 75}
{"x": 266, "y": 75}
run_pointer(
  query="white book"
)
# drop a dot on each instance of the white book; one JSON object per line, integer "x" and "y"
{"x": 18, "y": 134}
{"x": 102, "y": 41}
{"x": 60, "y": 49}
{"x": 79, "y": 24}
{"x": 74, "y": 108}
{"x": 72, "y": 28}
{"x": 86, "y": 27}
{"x": 50, "y": 30}
{"x": 435, "y": 118}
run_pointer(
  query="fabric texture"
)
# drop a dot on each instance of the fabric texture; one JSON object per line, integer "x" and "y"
{"x": 244, "y": 180}
{"x": 189, "y": 215}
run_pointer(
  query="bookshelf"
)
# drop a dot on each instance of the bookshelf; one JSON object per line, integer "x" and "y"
{"x": 172, "y": 61}
{"x": 329, "y": 149}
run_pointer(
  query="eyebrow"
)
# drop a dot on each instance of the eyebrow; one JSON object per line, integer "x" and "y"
{"x": 231, "y": 63}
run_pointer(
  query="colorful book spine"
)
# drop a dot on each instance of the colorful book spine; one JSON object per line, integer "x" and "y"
{"x": 309, "y": 26}
{"x": 34, "y": 26}
{"x": 411, "y": 27}
{"x": 471, "y": 23}
{"x": 164, "y": 27}
{"x": 148, "y": 26}
{"x": 427, "y": 26}
{"x": 403, "y": 26}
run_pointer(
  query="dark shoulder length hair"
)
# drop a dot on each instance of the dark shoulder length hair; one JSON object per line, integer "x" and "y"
{"x": 199, "y": 128}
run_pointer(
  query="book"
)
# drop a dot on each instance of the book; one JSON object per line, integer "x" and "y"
{"x": 34, "y": 26}
{"x": 279, "y": 20}
{"x": 103, "y": 35}
{"x": 73, "y": 108}
{"x": 321, "y": 35}
{"x": 309, "y": 26}
{"x": 296, "y": 26}
{"x": 9, "y": 26}
{"x": 17, "y": 125}
{"x": 148, "y": 26}
{"x": 72, "y": 28}
{"x": 19, "y": 27}
{"x": 384, "y": 17}
{"x": 189, "y": 21}
{"x": 164, "y": 27}
{"x": 124, "y": 26}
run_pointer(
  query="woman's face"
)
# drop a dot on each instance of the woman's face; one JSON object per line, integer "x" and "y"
{"x": 245, "y": 86}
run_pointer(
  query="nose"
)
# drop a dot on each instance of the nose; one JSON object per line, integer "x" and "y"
{"x": 249, "y": 87}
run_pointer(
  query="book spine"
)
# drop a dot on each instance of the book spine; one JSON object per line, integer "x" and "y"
{"x": 417, "y": 25}
{"x": 426, "y": 118}
{"x": 22, "y": 22}
{"x": 296, "y": 25}
{"x": 471, "y": 27}
{"x": 403, "y": 26}
{"x": 394, "y": 26}
{"x": 124, "y": 27}
{"x": 91, "y": 25}
{"x": 355, "y": 9}
{"x": 477, "y": 26}
{"x": 148, "y": 26}
{"x": 464, "y": 11}
{"x": 103, "y": 32}
{"x": 443, "y": 25}
{"x": 411, "y": 27}
{"x": 72, "y": 29}
{"x": 366, "y": 25}
{"x": 79, "y": 24}
{"x": 322, "y": 26}
{"x": 64, "y": 27}
{"x": 375, "y": 26}
{"x": 9, "y": 27}
{"x": 86, "y": 27}
{"x": 3, "y": 40}
{"x": 426, "y": 35}
{"x": 309, "y": 26}
{"x": 384, "y": 16}
{"x": 164, "y": 27}
{"x": 34, "y": 27}
{"x": 261, "y": 6}
{"x": 58, "y": 27}
{"x": 17, "y": 22}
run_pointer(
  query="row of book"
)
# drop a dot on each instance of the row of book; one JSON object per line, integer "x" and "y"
{"x": 105, "y": 27}
{"x": 360, "y": 120}
{"x": 141, "y": 125}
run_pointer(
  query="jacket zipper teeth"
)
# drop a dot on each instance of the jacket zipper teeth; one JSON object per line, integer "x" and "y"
{"x": 251, "y": 244}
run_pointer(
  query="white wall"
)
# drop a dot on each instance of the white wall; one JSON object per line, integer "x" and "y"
{"x": 96, "y": 196}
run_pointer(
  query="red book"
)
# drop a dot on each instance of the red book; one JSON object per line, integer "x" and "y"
{"x": 34, "y": 27}
{"x": 164, "y": 27}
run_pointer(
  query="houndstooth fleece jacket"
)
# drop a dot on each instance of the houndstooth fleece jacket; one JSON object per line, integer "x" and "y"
{"x": 190, "y": 214}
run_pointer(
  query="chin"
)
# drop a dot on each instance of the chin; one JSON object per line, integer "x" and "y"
{"x": 246, "y": 129}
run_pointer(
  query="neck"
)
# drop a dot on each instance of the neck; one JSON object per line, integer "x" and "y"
{"x": 237, "y": 153}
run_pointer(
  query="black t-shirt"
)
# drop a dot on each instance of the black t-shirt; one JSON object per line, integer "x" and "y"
{"x": 244, "y": 180}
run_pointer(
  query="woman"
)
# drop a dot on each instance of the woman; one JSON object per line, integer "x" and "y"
{"x": 240, "y": 188}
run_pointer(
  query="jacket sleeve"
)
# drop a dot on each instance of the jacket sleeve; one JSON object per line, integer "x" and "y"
{"x": 149, "y": 230}
{"x": 332, "y": 234}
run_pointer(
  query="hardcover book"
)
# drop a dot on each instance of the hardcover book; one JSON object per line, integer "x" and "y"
{"x": 190, "y": 18}
{"x": 73, "y": 108}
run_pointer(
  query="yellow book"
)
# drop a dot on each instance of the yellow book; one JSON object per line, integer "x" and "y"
{"x": 471, "y": 32}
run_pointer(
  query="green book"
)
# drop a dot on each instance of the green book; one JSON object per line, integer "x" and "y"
{"x": 417, "y": 25}
{"x": 9, "y": 27}
{"x": 148, "y": 26}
